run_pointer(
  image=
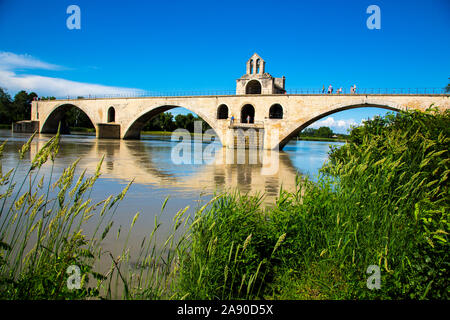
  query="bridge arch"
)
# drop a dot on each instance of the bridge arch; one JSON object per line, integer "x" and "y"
{"x": 134, "y": 127}
{"x": 57, "y": 114}
{"x": 295, "y": 128}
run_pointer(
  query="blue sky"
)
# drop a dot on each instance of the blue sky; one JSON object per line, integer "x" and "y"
{"x": 203, "y": 45}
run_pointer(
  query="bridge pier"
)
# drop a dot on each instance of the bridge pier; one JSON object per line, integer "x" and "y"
{"x": 25, "y": 126}
{"x": 108, "y": 131}
{"x": 244, "y": 135}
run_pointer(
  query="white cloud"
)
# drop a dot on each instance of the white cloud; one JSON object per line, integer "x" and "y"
{"x": 12, "y": 61}
{"x": 58, "y": 87}
{"x": 338, "y": 126}
{"x": 49, "y": 86}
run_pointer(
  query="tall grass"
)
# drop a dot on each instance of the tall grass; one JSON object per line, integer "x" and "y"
{"x": 42, "y": 222}
{"x": 41, "y": 232}
{"x": 382, "y": 199}
{"x": 229, "y": 251}
{"x": 393, "y": 183}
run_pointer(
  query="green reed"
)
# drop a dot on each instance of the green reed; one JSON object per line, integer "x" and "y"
{"x": 41, "y": 231}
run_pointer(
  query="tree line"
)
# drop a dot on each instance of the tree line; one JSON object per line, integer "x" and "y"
{"x": 322, "y": 132}
{"x": 167, "y": 122}
{"x": 17, "y": 108}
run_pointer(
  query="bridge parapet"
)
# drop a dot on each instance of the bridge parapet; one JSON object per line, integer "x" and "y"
{"x": 228, "y": 93}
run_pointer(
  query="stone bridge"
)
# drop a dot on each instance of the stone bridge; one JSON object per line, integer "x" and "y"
{"x": 264, "y": 115}
{"x": 276, "y": 117}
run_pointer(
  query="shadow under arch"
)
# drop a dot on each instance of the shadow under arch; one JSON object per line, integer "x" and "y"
{"x": 58, "y": 115}
{"x": 302, "y": 126}
{"x": 133, "y": 131}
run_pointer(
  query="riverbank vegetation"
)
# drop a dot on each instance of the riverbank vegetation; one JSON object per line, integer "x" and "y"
{"x": 17, "y": 108}
{"x": 382, "y": 199}
{"x": 322, "y": 139}
{"x": 166, "y": 122}
{"x": 321, "y": 134}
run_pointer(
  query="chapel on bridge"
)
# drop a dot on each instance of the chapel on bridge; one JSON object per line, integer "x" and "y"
{"x": 257, "y": 81}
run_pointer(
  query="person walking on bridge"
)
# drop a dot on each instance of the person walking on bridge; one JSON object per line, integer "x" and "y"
{"x": 330, "y": 89}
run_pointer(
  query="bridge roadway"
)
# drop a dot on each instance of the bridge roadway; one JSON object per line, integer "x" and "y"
{"x": 276, "y": 117}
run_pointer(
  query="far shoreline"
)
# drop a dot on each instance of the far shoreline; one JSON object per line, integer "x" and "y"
{"x": 169, "y": 133}
{"x": 320, "y": 139}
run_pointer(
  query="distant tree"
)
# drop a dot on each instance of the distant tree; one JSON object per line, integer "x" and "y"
{"x": 189, "y": 125}
{"x": 154, "y": 124}
{"x": 166, "y": 122}
{"x": 75, "y": 117}
{"x": 205, "y": 125}
{"x": 22, "y": 106}
{"x": 5, "y": 107}
{"x": 447, "y": 88}
{"x": 161, "y": 122}
{"x": 17, "y": 109}
{"x": 324, "y": 132}
{"x": 180, "y": 121}
{"x": 308, "y": 132}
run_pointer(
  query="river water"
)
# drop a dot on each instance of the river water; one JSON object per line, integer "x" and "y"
{"x": 154, "y": 165}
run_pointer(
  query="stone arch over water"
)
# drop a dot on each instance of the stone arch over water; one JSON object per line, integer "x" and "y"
{"x": 58, "y": 116}
{"x": 133, "y": 130}
{"x": 296, "y": 128}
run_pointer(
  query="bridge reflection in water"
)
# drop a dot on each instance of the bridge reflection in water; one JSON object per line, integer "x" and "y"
{"x": 150, "y": 162}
